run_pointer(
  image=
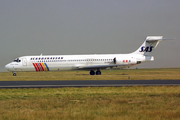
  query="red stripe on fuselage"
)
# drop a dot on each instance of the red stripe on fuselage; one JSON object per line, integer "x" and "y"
{"x": 41, "y": 66}
{"x": 35, "y": 66}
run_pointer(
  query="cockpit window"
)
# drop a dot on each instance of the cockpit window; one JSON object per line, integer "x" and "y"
{"x": 17, "y": 60}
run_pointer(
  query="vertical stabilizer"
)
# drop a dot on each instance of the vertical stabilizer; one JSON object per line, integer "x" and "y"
{"x": 149, "y": 45}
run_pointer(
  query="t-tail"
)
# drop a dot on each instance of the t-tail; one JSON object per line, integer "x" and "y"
{"x": 147, "y": 48}
{"x": 149, "y": 45}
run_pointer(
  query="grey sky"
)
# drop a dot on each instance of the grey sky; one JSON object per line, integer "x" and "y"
{"x": 32, "y": 27}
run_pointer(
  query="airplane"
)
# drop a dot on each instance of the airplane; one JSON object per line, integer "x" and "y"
{"x": 93, "y": 63}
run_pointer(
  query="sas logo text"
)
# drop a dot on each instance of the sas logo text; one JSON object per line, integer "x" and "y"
{"x": 146, "y": 49}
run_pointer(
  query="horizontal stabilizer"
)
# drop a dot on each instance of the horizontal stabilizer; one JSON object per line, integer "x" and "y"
{"x": 157, "y": 38}
{"x": 154, "y": 38}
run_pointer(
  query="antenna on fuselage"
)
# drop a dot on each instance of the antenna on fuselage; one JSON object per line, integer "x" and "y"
{"x": 41, "y": 54}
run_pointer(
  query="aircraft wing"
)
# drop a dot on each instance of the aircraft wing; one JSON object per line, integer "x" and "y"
{"x": 98, "y": 66}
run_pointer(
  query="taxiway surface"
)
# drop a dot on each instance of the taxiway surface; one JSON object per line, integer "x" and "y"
{"x": 86, "y": 83}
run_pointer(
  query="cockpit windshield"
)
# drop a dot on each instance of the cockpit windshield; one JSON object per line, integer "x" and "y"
{"x": 17, "y": 60}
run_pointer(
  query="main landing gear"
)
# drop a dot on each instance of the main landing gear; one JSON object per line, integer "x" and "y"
{"x": 98, "y": 72}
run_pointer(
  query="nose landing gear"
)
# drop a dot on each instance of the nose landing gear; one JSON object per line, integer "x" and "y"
{"x": 14, "y": 74}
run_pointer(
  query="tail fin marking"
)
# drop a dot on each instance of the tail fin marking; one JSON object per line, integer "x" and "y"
{"x": 149, "y": 44}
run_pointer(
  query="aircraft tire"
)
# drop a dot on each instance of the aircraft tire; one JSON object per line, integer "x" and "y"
{"x": 92, "y": 72}
{"x": 98, "y": 72}
{"x": 14, "y": 74}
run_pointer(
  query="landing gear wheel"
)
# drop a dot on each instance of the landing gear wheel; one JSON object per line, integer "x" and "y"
{"x": 92, "y": 72}
{"x": 14, "y": 74}
{"x": 98, "y": 72}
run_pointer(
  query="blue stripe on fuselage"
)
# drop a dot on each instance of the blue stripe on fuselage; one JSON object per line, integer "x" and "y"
{"x": 46, "y": 66}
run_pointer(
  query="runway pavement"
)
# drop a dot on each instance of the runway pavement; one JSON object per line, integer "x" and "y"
{"x": 87, "y": 83}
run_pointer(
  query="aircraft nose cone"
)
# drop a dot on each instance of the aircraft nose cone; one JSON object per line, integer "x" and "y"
{"x": 7, "y": 66}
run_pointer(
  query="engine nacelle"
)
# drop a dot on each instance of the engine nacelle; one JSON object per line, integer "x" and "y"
{"x": 126, "y": 61}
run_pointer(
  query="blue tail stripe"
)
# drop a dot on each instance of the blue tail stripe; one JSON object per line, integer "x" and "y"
{"x": 46, "y": 66}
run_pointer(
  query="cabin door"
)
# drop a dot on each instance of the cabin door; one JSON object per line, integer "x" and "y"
{"x": 24, "y": 62}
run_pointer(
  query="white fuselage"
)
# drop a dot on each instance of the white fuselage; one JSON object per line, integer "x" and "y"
{"x": 74, "y": 62}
